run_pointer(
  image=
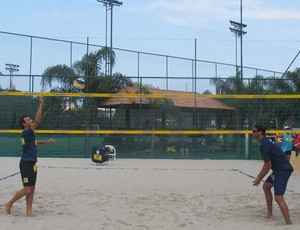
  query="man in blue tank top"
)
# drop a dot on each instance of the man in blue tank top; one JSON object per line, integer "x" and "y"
{"x": 282, "y": 169}
{"x": 28, "y": 160}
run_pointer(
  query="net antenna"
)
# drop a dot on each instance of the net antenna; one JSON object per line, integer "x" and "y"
{"x": 283, "y": 75}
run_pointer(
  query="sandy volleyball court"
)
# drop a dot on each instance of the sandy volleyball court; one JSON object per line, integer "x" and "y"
{"x": 144, "y": 194}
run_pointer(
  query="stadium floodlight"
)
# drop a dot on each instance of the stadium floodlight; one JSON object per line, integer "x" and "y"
{"x": 237, "y": 29}
{"x": 111, "y": 2}
{"x": 11, "y": 68}
{"x": 237, "y": 24}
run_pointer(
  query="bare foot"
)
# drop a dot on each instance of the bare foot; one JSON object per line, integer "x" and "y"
{"x": 30, "y": 215}
{"x": 269, "y": 216}
{"x": 7, "y": 209}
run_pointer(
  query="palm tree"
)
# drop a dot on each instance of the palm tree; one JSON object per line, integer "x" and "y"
{"x": 107, "y": 84}
{"x": 91, "y": 64}
{"x": 61, "y": 74}
{"x": 89, "y": 67}
{"x": 231, "y": 85}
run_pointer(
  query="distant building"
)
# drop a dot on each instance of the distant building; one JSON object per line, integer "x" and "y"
{"x": 172, "y": 112}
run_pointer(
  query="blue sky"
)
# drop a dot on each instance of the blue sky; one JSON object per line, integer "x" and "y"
{"x": 266, "y": 20}
{"x": 168, "y": 27}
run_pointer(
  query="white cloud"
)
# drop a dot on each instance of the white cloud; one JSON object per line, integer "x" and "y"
{"x": 273, "y": 14}
{"x": 188, "y": 12}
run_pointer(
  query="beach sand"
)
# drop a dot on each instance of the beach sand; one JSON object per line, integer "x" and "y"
{"x": 144, "y": 194}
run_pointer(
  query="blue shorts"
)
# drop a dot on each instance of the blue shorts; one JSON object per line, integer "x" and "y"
{"x": 279, "y": 182}
{"x": 28, "y": 171}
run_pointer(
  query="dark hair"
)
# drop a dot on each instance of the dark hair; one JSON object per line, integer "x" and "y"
{"x": 261, "y": 128}
{"x": 21, "y": 121}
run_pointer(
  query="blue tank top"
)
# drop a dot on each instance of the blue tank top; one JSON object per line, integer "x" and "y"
{"x": 29, "y": 145}
{"x": 287, "y": 142}
{"x": 270, "y": 151}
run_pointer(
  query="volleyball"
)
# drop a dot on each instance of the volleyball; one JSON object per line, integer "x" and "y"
{"x": 79, "y": 83}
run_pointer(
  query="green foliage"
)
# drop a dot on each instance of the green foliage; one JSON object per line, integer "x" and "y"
{"x": 207, "y": 92}
{"x": 67, "y": 112}
{"x": 14, "y": 107}
{"x": 59, "y": 73}
{"x": 261, "y": 110}
{"x": 107, "y": 84}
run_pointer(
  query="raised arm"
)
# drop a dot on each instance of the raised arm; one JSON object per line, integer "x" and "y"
{"x": 38, "y": 114}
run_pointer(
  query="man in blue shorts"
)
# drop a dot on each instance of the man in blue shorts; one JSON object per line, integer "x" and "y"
{"x": 282, "y": 169}
{"x": 28, "y": 160}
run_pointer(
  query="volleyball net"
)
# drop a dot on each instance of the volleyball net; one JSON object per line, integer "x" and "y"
{"x": 154, "y": 125}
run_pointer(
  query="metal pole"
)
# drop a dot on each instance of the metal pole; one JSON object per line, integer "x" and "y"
{"x": 87, "y": 53}
{"x": 247, "y": 146}
{"x": 10, "y": 80}
{"x": 236, "y": 65}
{"x": 106, "y": 61}
{"x": 195, "y": 86}
{"x": 290, "y": 65}
{"x": 71, "y": 54}
{"x": 167, "y": 73}
{"x": 241, "y": 32}
{"x": 111, "y": 3}
{"x": 30, "y": 67}
{"x": 11, "y": 68}
{"x": 111, "y": 38}
{"x": 237, "y": 29}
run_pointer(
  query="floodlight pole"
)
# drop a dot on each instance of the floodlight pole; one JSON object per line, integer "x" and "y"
{"x": 242, "y": 33}
{"x": 11, "y": 68}
{"x": 237, "y": 29}
{"x": 236, "y": 32}
{"x": 109, "y": 4}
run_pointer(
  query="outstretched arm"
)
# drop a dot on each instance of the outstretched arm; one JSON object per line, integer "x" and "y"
{"x": 39, "y": 142}
{"x": 38, "y": 114}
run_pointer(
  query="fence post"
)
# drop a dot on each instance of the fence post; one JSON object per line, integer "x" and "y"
{"x": 247, "y": 146}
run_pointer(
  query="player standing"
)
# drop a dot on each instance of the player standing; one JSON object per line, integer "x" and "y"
{"x": 282, "y": 169}
{"x": 28, "y": 160}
